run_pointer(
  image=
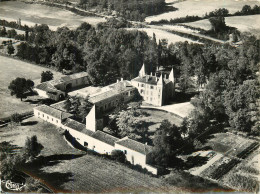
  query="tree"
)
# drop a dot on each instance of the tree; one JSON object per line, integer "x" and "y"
{"x": 218, "y": 23}
{"x": 19, "y": 86}
{"x": 46, "y": 76}
{"x": 3, "y": 32}
{"x": 167, "y": 140}
{"x": 32, "y": 148}
{"x": 128, "y": 123}
{"x": 10, "y": 49}
{"x": 84, "y": 108}
{"x": 16, "y": 118}
{"x": 241, "y": 105}
{"x": 118, "y": 155}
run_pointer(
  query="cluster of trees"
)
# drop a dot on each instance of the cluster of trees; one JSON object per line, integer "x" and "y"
{"x": 11, "y": 161}
{"x": 105, "y": 52}
{"x": 79, "y": 107}
{"x": 130, "y": 9}
{"x": 221, "y": 12}
{"x": 232, "y": 91}
{"x": 12, "y": 32}
{"x": 20, "y": 86}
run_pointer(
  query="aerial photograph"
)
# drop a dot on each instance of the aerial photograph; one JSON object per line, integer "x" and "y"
{"x": 130, "y": 96}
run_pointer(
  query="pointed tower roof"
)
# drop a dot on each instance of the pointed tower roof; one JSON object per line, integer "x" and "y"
{"x": 171, "y": 76}
{"x": 142, "y": 71}
{"x": 160, "y": 82}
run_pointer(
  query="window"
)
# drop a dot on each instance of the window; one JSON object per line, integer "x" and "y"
{"x": 138, "y": 84}
{"x": 38, "y": 113}
{"x": 85, "y": 143}
{"x": 57, "y": 121}
{"x": 125, "y": 152}
{"x": 142, "y": 85}
{"x": 51, "y": 119}
{"x": 42, "y": 115}
{"x": 47, "y": 117}
{"x": 151, "y": 87}
{"x": 151, "y": 99}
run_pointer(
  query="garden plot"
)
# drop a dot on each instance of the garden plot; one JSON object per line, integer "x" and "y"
{"x": 232, "y": 145}
{"x": 230, "y": 150}
{"x": 200, "y": 8}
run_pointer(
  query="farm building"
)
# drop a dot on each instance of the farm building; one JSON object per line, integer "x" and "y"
{"x": 56, "y": 89}
{"x": 93, "y": 139}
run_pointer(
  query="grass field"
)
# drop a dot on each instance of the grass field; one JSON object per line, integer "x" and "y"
{"x": 242, "y": 23}
{"x": 64, "y": 168}
{"x": 162, "y": 34}
{"x": 32, "y": 14}
{"x": 9, "y": 70}
{"x": 199, "y": 8}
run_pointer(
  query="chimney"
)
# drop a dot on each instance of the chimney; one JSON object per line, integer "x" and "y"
{"x": 122, "y": 79}
{"x": 147, "y": 78}
{"x": 151, "y": 73}
{"x": 117, "y": 81}
{"x": 165, "y": 76}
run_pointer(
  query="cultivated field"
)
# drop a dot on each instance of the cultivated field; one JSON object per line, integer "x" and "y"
{"x": 9, "y": 70}
{"x": 64, "y": 168}
{"x": 162, "y": 34}
{"x": 199, "y": 8}
{"x": 242, "y": 23}
{"x": 233, "y": 161}
{"x": 32, "y": 14}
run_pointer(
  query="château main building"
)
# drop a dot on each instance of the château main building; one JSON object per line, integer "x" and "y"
{"x": 154, "y": 90}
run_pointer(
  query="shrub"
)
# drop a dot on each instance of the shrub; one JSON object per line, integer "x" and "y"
{"x": 16, "y": 118}
{"x": 118, "y": 155}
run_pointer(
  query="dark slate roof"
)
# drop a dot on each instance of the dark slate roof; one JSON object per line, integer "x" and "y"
{"x": 148, "y": 79}
{"x": 77, "y": 126}
{"x": 46, "y": 86}
{"x": 135, "y": 145}
{"x": 113, "y": 90}
{"x": 104, "y": 137}
{"x": 52, "y": 112}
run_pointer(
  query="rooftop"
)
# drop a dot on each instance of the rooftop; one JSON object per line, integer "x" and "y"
{"x": 135, "y": 145}
{"x": 110, "y": 91}
{"x": 104, "y": 137}
{"x": 53, "y": 112}
{"x": 46, "y": 86}
{"x": 68, "y": 78}
{"x": 84, "y": 92}
{"x": 148, "y": 79}
{"x": 77, "y": 126}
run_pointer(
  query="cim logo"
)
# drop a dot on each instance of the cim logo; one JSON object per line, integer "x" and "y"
{"x": 11, "y": 186}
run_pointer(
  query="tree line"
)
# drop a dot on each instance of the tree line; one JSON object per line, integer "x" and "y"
{"x": 221, "y": 12}
{"x": 135, "y": 10}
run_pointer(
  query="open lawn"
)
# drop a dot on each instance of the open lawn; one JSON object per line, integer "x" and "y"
{"x": 64, "y": 168}
{"x": 200, "y": 8}
{"x": 9, "y": 70}
{"x": 242, "y": 23}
